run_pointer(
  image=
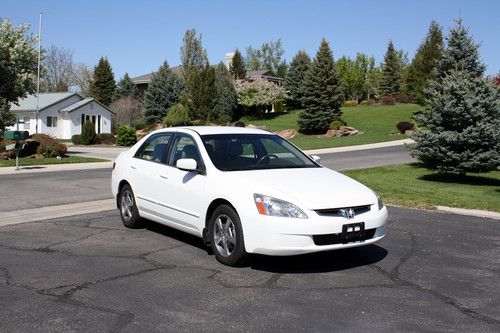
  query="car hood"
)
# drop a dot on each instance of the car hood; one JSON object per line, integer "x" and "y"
{"x": 312, "y": 188}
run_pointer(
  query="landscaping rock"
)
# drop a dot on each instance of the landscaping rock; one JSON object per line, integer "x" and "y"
{"x": 263, "y": 127}
{"x": 36, "y": 156}
{"x": 409, "y": 132}
{"x": 342, "y": 131}
{"x": 287, "y": 134}
{"x": 7, "y": 155}
{"x": 331, "y": 133}
{"x": 140, "y": 132}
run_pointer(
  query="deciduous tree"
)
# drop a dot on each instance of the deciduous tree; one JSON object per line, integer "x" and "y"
{"x": 58, "y": 70}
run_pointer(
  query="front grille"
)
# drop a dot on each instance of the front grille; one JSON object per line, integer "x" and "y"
{"x": 358, "y": 210}
{"x": 331, "y": 239}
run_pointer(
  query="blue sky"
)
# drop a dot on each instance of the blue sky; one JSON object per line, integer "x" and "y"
{"x": 137, "y": 36}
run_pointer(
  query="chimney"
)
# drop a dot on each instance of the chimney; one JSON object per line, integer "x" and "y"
{"x": 229, "y": 59}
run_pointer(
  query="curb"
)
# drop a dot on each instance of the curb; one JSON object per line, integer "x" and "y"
{"x": 470, "y": 212}
{"x": 55, "y": 168}
{"x": 360, "y": 147}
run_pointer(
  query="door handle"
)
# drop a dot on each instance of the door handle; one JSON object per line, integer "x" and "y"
{"x": 133, "y": 167}
{"x": 164, "y": 176}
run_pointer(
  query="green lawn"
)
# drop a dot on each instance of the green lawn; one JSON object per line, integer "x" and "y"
{"x": 377, "y": 122}
{"x": 51, "y": 160}
{"x": 412, "y": 186}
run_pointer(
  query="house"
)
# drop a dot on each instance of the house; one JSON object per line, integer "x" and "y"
{"x": 61, "y": 114}
{"x": 142, "y": 82}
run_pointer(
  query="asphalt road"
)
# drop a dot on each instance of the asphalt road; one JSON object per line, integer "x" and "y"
{"x": 433, "y": 272}
{"x": 25, "y": 191}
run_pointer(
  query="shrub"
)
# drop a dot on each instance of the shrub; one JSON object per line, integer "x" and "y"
{"x": 336, "y": 124}
{"x": 350, "y": 103}
{"x": 126, "y": 136}
{"x": 402, "y": 98}
{"x": 178, "y": 115}
{"x": 239, "y": 124}
{"x": 88, "y": 137}
{"x": 141, "y": 124}
{"x": 106, "y": 138}
{"x": 279, "y": 107}
{"x": 404, "y": 126}
{"x": 4, "y": 143}
{"x": 49, "y": 146}
{"x": 387, "y": 100}
{"x": 76, "y": 139}
{"x": 369, "y": 101}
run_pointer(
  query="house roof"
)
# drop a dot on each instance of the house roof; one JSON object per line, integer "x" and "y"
{"x": 45, "y": 100}
{"x": 263, "y": 73}
{"x": 146, "y": 78}
{"x": 83, "y": 102}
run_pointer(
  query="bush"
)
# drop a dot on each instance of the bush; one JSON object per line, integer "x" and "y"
{"x": 76, "y": 139}
{"x": 126, "y": 136}
{"x": 141, "y": 124}
{"x": 49, "y": 146}
{"x": 106, "y": 138}
{"x": 4, "y": 143}
{"x": 279, "y": 107}
{"x": 369, "y": 101}
{"x": 402, "y": 98}
{"x": 239, "y": 124}
{"x": 336, "y": 124}
{"x": 350, "y": 103}
{"x": 178, "y": 115}
{"x": 88, "y": 137}
{"x": 387, "y": 100}
{"x": 404, "y": 126}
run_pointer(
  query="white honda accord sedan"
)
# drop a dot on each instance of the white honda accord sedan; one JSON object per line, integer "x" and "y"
{"x": 243, "y": 191}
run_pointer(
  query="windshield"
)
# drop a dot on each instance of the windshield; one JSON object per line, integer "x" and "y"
{"x": 232, "y": 152}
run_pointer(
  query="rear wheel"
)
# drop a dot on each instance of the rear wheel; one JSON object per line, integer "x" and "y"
{"x": 128, "y": 209}
{"x": 226, "y": 235}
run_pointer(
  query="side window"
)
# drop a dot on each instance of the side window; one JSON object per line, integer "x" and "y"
{"x": 183, "y": 147}
{"x": 155, "y": 148}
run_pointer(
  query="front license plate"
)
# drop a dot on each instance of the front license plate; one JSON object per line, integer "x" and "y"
{"x": 353, "y": 231}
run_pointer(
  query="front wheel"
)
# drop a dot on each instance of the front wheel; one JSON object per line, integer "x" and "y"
{"x": 226, "y": 235}
{"x": 128, "y": 209}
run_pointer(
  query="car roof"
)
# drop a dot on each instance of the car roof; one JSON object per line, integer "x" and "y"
{"x": 209, "y": 130}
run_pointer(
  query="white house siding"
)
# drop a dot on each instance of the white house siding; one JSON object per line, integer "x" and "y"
{"x": 91, "y": 109}
{"x": 53, "y": 111}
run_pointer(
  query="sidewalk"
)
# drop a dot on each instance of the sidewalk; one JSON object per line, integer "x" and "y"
{"x": 359, "y": 147}
{"x": 55, "y": 167}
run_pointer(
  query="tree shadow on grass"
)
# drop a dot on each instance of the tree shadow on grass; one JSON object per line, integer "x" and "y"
{"x": 456, "y": 179}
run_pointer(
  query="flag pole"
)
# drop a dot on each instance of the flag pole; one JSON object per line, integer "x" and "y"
{"x": 38, "y": 73}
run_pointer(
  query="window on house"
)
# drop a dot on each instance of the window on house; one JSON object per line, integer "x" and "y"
{"x": 27, "y": 123}
{"x": 51, "y": 121}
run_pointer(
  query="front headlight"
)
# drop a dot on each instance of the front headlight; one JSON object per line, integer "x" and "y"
{"x": 275, "y": 207}
{"x": 380, "y": 202}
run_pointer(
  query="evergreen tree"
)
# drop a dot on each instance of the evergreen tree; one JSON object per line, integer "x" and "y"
{"x": 126, "y": 88}
{"x": 322, "y": 97}
{"x": 202, "y": 94}
{"x": 424, "y": 63}
{"x": 295, "y": 78}
{"x": 193, "y": 55}
{"x": 102, "y": 86}
{"x": 461, "y": 118}
{"x": 391, "y": 71}
{"x": 227, "y": 99}
{"x": 162, "y": 93}
{"x": 237, "y": 66}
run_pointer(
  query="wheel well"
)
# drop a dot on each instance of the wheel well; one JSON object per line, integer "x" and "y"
{"x": 213, "y": 205}
{"x": 120, "y": 186}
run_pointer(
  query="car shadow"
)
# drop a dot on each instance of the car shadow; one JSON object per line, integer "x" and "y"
{"x": 320, "y": 262}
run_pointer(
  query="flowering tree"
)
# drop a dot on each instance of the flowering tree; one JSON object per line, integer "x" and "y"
{"x": 259, "y": 93}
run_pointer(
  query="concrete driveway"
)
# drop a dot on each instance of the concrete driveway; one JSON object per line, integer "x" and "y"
{"x": 433, "y": 272}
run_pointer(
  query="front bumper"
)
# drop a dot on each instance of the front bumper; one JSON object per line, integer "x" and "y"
{"x": 282, "y": 236}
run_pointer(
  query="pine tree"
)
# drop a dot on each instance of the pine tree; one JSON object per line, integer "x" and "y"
{"x": 202, "y": 94}
{"x": 322, "y": 97}
{"x": 102, "y": 86}
{"x": 391, "y": 72}
{"x": 461, "y": 118}
{"x": 126, "y": 88}
{"x": 424, "y": 63}
{"x": 295, "y": 79}
{"x": 162, "y": 93}
{"x": 237, "y": 66}
{"x": 227, "y": 100}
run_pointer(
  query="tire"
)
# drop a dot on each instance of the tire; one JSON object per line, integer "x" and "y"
{"x": 128, "y": 209}
{"x": 226, "y": 235}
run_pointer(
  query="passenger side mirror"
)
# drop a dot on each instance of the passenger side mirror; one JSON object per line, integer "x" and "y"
{"x": 315, "y": 158}
{"x": 187, "y": 164}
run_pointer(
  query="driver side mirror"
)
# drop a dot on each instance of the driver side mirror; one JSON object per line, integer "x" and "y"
{"x": 315, "y": 158}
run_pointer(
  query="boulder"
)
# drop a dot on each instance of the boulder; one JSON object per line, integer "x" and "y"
{"x": 7, "y": 155}
{"x": 263, "y": 127}
{"x": 331, "y": 133}
{"x": 287, "y": 134}
{"x": 36, "y": 156}
{"x": 409, "y": 132}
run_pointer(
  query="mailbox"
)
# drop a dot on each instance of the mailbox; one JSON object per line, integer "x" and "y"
{"x": 16, "y": 135}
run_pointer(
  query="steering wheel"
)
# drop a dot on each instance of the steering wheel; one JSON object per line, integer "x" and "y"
{"x": 267, "y": 156}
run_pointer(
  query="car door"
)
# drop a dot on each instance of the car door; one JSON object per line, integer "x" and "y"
{"x": 187, "y": 204}
{"x": 148, "y": 170}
